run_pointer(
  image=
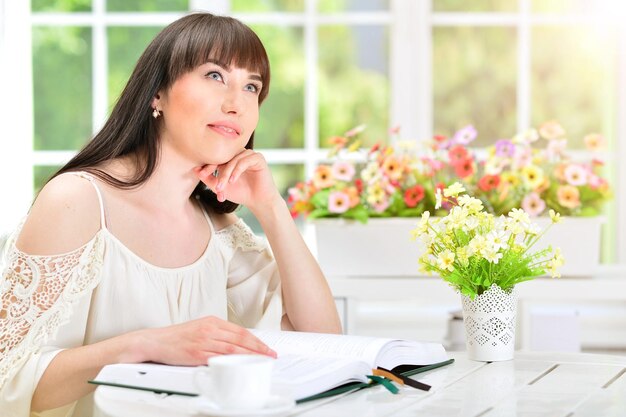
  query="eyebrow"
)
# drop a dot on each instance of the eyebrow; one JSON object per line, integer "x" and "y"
{"x": 254, "y": 76}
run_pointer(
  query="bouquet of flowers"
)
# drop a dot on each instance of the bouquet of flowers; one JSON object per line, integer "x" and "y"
{"x": 472, "y": 249}
{"x": 518, "y": 172}
{"x": 383, "y": 181}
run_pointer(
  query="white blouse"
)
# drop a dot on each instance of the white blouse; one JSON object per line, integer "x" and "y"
{"x": 103, "y": 289}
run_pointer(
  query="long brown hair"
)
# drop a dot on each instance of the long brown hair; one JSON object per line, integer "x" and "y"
{"x": 177, "y": 49}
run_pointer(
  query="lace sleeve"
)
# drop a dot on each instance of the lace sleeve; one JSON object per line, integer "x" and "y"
{"x": 36, "y": 297}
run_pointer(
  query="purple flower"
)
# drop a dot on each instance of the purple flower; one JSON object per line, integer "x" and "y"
{"x": 505, "y": 148}
{"x": 465, "y": 135}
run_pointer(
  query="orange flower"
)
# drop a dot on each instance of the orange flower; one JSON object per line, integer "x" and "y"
{"x": 323, "y": 177}
{"x": 393, "y": 168}
{"x": 568, "y": 196}
{"x": 353, "y": 194}
{"x": 551, "y": 130}
{"x": 594, "y": 142}
{"x": 339, "y": 141}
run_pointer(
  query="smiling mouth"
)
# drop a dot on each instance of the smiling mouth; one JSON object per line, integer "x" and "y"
{"x": 225, "y": 129}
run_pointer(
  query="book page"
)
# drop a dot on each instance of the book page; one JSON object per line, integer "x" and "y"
{"x": 301, "y": 376}
{"x": 323, "y": 345}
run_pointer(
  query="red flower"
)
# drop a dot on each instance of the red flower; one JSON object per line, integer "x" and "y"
{"x": 413, "y": 195}
{"x": 489, "y": 182}
{"x": 359, "y": 185}
{"x": 457, "y": 154}
{"x": 464, "y": 168}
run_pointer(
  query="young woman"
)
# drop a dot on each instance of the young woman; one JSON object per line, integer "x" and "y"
{"x": 132, "y": 253}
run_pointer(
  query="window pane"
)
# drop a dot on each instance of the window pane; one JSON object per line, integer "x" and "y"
{"x": 60, "y": 5}
{"x": 126, "y": 44}
{"x": 474, "y": 81}
{"x": 573, "y": 80}
{"x": 353, "y": 81}
{"x": 42, "y": 174}
{"x": 570, "y": 6}
{"x": 351, "y": 5}
{"x": 285, "y": 176}
{"x": 147, "y": 6}
{"x": 281, "y": 122}
{"x": 267, "y": 5}
{"x": 62, "y": 87}
{"x": 475, "y": 5}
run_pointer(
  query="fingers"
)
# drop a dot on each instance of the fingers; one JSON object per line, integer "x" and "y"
{"x": 224, "y": 337}
{"x": 230, "y": 172}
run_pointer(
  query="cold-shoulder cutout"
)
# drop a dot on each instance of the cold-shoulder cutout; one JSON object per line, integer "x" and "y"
{"x": 64, "y": 217}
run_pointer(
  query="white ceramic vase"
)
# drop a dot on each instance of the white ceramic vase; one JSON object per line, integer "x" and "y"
{"x": 490, "y": 325}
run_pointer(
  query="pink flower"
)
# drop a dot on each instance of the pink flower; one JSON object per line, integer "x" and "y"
{"x": 575, "y": 175}
{"x": 338, "y": 202}
{"x": 465, "y": 135}
{"x": 533, "y": 205}
{"x": 343, "y": 171}
{"x": 551, "y": 130}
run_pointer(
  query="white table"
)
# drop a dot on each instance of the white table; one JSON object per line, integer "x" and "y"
{"x": 533, "y": 384}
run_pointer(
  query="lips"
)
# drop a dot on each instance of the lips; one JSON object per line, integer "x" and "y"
{"x": 227, "y": 129}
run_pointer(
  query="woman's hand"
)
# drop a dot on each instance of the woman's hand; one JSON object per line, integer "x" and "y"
{"x": 246, "y": 179}
{"x": 193, "y": 342}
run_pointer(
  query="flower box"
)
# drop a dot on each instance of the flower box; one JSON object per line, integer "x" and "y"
{"x": 383, "y": 247}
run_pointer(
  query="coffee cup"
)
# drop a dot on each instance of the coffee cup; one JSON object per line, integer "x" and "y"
{"x": 236, "y": 381}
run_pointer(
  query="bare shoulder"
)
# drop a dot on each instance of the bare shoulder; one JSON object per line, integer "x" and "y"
{"x": 65, "y": 216}
{"x": 222, "y": 221}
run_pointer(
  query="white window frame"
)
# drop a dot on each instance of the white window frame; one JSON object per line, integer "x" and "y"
{"x": 411, "y": 24}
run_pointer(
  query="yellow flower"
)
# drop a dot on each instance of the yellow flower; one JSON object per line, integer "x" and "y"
{"x": 510, "y": 178}
{"x": 533, "y": 176}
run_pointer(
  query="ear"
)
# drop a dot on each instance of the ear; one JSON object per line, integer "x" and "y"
{"x": 156, "y": 101}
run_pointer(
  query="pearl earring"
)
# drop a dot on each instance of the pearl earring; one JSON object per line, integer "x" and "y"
{"x": 156, "y": 113}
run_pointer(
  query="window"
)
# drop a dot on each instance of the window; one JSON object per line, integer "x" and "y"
{"x": 430, "y": 66}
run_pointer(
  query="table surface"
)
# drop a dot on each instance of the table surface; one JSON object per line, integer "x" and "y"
{"x": 533, "y": 384}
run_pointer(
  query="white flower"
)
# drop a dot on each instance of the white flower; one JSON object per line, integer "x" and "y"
{"x": 445, "y": 260}
{"x": 472, "y": 204}
{"x": 497, "y": 239}
{"x": 492, "y": 256}
{"x": 471, "y": 223}
{"x": 371, "y": 173}
{"x": 520, "y": 216}
{"x": 555, "y": 217}
{"x": 438, "y": 199}
{"x": 477, "y": 245}
{"x": 454, "y": 190}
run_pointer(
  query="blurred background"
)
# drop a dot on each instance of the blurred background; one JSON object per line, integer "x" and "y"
{"x": 427, "y": 66}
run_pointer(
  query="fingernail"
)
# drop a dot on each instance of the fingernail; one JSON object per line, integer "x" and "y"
{"x": 219, "y": 186}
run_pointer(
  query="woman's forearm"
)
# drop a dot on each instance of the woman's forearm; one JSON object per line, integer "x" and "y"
{"x": 307, "y": 298}
{"x": 65, "y": 378}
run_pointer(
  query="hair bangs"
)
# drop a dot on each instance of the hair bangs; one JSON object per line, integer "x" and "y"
{"x": 226, "y": 41}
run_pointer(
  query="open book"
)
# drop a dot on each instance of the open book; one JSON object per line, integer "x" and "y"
{"x": 308, "y": 364}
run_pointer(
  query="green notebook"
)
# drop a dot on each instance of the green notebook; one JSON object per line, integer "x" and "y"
{"x": 309, "y": 365}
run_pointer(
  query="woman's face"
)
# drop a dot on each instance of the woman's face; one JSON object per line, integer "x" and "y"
{"x": 210, "y": 112}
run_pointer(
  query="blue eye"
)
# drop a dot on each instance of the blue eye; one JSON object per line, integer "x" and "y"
{"x": 214, "y": 75}
{"x": 253, "y": 88}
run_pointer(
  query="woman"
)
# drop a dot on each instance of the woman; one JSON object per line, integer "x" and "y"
{"x": 131, "y": 253}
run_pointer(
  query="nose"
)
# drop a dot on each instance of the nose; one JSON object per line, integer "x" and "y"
{"x": 232, "y": 103}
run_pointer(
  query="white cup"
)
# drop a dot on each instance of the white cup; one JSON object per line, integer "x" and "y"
{"x": 236, "y": 381}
